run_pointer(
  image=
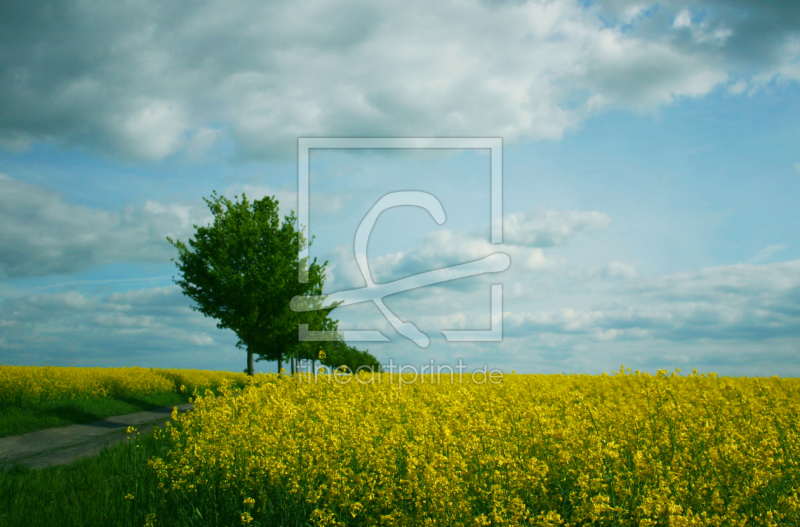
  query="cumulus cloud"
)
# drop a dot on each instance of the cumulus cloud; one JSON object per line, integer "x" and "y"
{"x": 644, "y": 75}
{"x": 736, "y": 319}
{"x": 525, "y": 235}
{"x": 147, "y": 80}
{"x": 739, "y": 319}
{"x": 548, "y": 228}
{"x": 749, "y": 38}
{"x": 153, "y": 326}
{"x": 42, "y": 234}
{"x": 742, "y": 302}
{"x": 767, "y": 252}
{"x": 621, "y": 270}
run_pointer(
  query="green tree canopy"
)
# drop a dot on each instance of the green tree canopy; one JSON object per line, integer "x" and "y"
{"x": 339, "y": 354}
{"x": 243, "y": 271}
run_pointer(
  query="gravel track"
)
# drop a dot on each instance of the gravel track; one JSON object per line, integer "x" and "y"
{"x": 64, "y": 445}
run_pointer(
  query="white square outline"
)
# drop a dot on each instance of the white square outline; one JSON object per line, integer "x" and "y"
{"x": 493, "y": 144}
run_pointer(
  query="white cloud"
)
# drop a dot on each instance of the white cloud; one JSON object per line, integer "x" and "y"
{"x": 701, "y": 32}
{"x": 621, "y": 270}
{"x": 767, "y": 252}
{"x": 684, "y": 19}
{"x": 643, "y": 75}
{"x": 739, "y": 319}
{"x": 42, "y": 234}
{"x": 201, "y": 142}
{"x": 548, "y": 228}
{"x": 737, "y": 88}
{"x": 740, "y": 303}
{"x": 748, "y": 34}
{"x": 154, "y": 130}
{"x": 152, "y": 327}
{"x": 147, "y": 80}
{"x": 525, "y": 234}
{"x": 725, "y": 318}
{"x": 201, "y": 340}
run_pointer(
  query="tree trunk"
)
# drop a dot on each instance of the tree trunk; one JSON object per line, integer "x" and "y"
{"x": 249, "y": 361}
{"x": 292, "y": 367}
{"x": 280, "y": 364}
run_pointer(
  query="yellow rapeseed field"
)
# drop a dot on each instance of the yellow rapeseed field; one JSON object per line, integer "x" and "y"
{"x": 626, "y": 449}
{"x": 34, "y": 385}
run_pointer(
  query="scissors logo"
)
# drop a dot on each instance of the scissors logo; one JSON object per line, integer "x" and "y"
{"x": 373, "y": 292}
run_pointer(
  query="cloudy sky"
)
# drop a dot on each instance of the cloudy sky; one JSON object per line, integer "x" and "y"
{"x": 650, "y": 173}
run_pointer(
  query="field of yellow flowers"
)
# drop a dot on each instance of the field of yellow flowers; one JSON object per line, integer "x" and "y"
{"x": 625, "y": 449}
{"x": 35, "y": 385}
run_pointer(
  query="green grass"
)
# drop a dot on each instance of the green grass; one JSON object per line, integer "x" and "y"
{"x": 90, "y": 492}
{"x": 20, "y": 419}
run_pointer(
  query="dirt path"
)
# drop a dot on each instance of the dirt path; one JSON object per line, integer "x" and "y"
{"x": 61, "y": 446}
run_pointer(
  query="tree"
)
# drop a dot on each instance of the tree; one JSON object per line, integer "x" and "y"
{"x": 243, "y": 271}
{"x": 283, "y": 342}
{"x": 286, "y": 344}
{"x": 340, "y": 354}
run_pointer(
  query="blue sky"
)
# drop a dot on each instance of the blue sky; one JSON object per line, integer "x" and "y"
{"x": 650, "y": 173}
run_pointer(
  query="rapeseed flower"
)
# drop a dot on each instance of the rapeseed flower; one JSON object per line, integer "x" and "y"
{"x": 623, "y": 449}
